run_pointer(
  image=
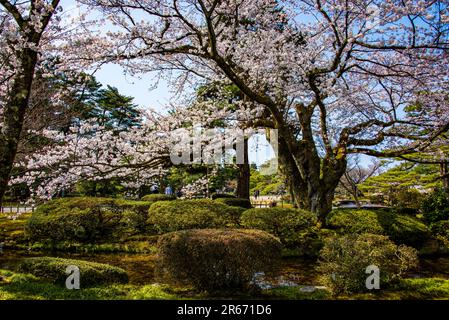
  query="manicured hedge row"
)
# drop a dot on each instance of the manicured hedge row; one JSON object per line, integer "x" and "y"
{"x": 294, "y": 227}
{"x": 94, "y": 220}
{"x": 158, "y": 197}
{"x": 167, "y": 216}
{"x": 402, "y": 229}
{"x": 222, "y": 195}
{"x": 86, "y": 219}
{"x": 213, "y": 259}
{"x": 236, "y": 202}
{"x": 91, "y": 273}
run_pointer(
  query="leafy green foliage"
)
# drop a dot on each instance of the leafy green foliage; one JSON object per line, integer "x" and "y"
{"x": 77, "y": 225}
{"x": 440, "y": 230}
{"x": 343, "y": 261}
{"x": 12, "y": 230}
{"x": 54, "y": 270}
{"x": 402, "y": 177}
{"x": 86, "y": 219}
{"x": 182, "y": 175}
{"x": 135, "y": 213}
{"x": 158, "y": 197}
{"x": 294, "y": 227}
{"x": 402, "y": 229}
{"x": 236, "y": 202}
{"x": 167, "y": 216}
{"x": 115, "y": 111}
{"x": 222, "y": 195}
{"x": 212, "y": 259}
{"x": 266, "y": 184}
{"x": 408, "y": 198}
{"x": 105, "y": 188}
{"x": 436, "y": 206}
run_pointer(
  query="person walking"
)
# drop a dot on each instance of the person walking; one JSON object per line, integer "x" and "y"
{"x": 169, "y": 190}
{"x": 256, "y": 193}
{"x": 154, "y": 189}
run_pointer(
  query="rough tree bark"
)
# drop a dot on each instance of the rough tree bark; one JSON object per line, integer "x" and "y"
{"x": 312, "y": 180}
{"x": 13, "y": 116}
{"x": 19, "y": 94}
{"x": 244, "y": 175}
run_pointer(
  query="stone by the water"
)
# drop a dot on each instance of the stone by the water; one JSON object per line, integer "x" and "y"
{"x": 307, "y": 289}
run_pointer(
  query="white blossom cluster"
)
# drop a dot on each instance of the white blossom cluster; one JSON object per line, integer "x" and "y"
{"x": 354, "y": 68}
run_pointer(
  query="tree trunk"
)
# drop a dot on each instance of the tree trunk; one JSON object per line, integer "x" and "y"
{"x": 312, "y": 180}
{"x": 319, "y": 202}
{"x": 244, "y": 175}
{"x": 13, "y": 116}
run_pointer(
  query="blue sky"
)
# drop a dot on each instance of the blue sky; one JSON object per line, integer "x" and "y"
{"x": 114, "y": 75}
{"x": 139, "y": 88}
{"x": 158, "y": 98}
{"x": 146, "y": 95}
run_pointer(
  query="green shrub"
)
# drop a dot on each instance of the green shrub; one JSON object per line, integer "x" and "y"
{"x": 88, "y": 225}
{"x": 436, "y": 206}
{"x": 236, "y": 202}
{"x": 86, "y": 219}
{"x": 167, "y": 216}
{"x": 135, "y": 213}
{"x": 343, "y": 261}
{"x": 135, "y": 220}
{"x": 354, "y": 221}
{"x": 294, "y": 227}
{"x": 212, "y": 259}
{"x": 407, "y": 199}
{"x": 91, "y": 273}
{"x": 158, "y": 197}
{"x": 402, "y": 229}
{"x": 222, "y": 195}
{"x": 440, "y": 230}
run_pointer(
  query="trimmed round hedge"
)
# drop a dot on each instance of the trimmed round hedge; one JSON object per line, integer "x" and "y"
{"x": 236, "y": 202}
{"x": 158, "y": 197}
{"x": 222, "y": 195}
{"x": 212, "y": 259}
{"x": 86, "y": 219}
{"x": 295, "y": 228}
{"x": 402, "y": 229}
{"x": 91, "y": 273}
{"x": 167, "y": 216}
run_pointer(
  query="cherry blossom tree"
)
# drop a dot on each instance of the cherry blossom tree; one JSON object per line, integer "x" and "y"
{"x": 35, "y": 35}
{"x": 137, "y": 156}
{"x": 332, "y": 76}
{"x": 22, "y": 35}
